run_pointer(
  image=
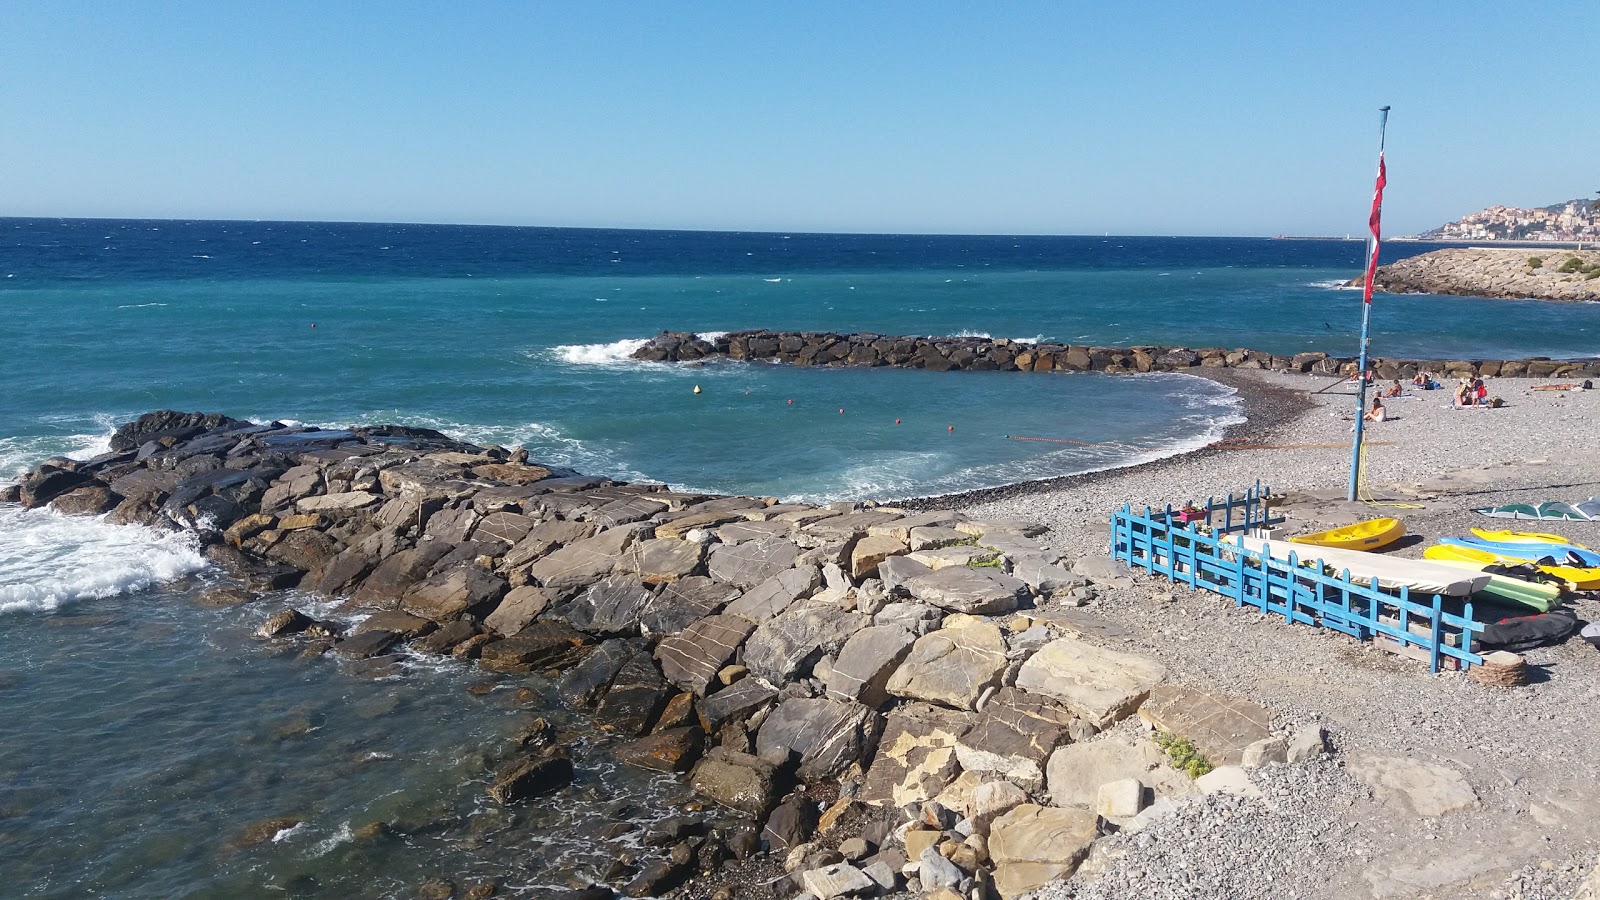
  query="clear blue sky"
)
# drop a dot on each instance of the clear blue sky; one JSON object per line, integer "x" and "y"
{"x": 1056, "y": 117}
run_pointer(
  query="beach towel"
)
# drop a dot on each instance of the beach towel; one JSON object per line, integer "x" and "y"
{"x": 1587, "y": 511}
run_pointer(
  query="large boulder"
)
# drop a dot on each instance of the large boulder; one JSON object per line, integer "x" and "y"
{"x": 450, "y": 594}
{"x": 662, "y": 560}
{"x": 976, "y": 591}
{"x": 788, "y": 645}
{"x": 679, "y": 604}
{"x": 528, "y": 777}
{"x": 916, "y": 757}
{"x": 634, "y": 697}
{"x": 952, "y": 666}
{"x": 1100, "y": 686}
{"x": 668, "y": 750}
{"x": 825, "y": 736}
{"x": 541, "y": 645}
{"x": 692, "y": 659}
{"x": 751, "y": 563}
{"x": 517, "y": 609}
{"x": 736, "y": 780}
{"x": 866, "y": 662}
{"x": 740, "y": 700}
{"x": 544, "y": 538}
{"x": 1034, "y": 845}
{"x": 778, "y": 593}
{"x": 1015, "y": 734}
{"x": 609, "y": 606}
{"x": 1076, "y": 772}
{"x": 392, "y": 577}
{"x": 872, "y": 550}
{"x": 583, "y": 562}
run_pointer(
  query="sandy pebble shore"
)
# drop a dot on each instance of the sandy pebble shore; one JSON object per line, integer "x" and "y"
{"x": 1528, "y": 752}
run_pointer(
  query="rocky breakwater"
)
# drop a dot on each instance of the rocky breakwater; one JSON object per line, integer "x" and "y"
{"x": 1510, "y": 273}
{"x": 988, "y": 355}
{"x": 877, "y": 699}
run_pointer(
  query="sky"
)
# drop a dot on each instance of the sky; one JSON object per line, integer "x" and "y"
{"x": 1018, "y": 117}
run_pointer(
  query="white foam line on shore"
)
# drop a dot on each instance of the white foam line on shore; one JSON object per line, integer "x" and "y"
{"x": 48, "y": 560}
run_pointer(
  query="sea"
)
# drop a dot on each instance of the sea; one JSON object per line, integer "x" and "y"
{"x": 147, "y": 737}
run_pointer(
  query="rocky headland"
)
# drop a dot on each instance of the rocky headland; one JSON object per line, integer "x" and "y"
{"x": 975, "y": 354}
{"x": 875, "y": 699}
{"x": 1509, "y": 273}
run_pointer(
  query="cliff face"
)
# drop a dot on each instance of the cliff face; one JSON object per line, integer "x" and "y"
{"x": 1497, "y": 272}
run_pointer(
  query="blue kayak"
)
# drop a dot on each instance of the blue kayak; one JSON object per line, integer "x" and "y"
{"x": 1564, "y": 554}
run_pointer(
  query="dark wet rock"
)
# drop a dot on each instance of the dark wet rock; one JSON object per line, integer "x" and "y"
{"x": 864, "y": 665}
{"x": 672, "y": 750}
{"x": 226, "y": 596}
{"x": 258, "y": 833}
{"x": 448, "y": 595}
{"x": 737, "y": 701}
{"x": 287, "y": 622}
{"x": 447, "y": 637}
{"x": 47, "y": 483}
{"x": 588, "y": 893}
{"x": 751, "y": 563}
{"x": 11, "y": 493}
{"x": 367, "y": 644}
{"x": 145, "y": 484}
{"x": 609, "y": 606}
{"x": 635, "y": 696}
{"x": 791, "y": 824}
{"x": 825, "y": 736}
{"x": 170, "y": 424}
{"x": 394, "y": 576}
{"x": 306, "y": 550}
{"x": 787, "y": 646}
{"x": 343, "y": 570}
{"x": 736, "y": 780}
{"x": 517, "y": 609}
{"x": 692, "y": 659}
{"x": 91, "y": 500}
{"x": 468, "y": 552}
{"x": 658, "y": 878}
{"x": 679, "y": 710}
{"x": 778, "y": 593}
{"x": 680, "y": 604}
{"x": 403, "y": 624}
{"x": 532, "y": 776}
{"x": 541, "y": 645}
{"x": 435, "y": 889}
{"x": 581, "y": 686}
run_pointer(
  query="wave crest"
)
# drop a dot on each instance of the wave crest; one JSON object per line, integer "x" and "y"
{"x": 48, "y": 560}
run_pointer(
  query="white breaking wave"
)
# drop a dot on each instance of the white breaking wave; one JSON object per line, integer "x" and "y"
{"x": 20, "y": 454}
{"x": 139, "y": 305}
{"x": 1334, "y": 284}
{"x": 48, "y": 560}
{"x": 971, "y": 334}
{"x": 610, "y": 354}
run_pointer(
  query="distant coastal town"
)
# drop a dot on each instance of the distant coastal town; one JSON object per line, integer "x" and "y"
{"x": 1568, "y": 222}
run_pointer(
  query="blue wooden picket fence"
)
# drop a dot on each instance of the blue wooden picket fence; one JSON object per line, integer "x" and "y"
{"x": 1167, "y": 542}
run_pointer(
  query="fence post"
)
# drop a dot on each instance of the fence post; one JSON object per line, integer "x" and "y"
{"x": 1436, "y": 635}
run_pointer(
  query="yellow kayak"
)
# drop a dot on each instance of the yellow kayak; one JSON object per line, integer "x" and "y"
{"x": 1586, "y": 579}
{"x": 1368, "y": 535}
{"x": 1524, "y": 537}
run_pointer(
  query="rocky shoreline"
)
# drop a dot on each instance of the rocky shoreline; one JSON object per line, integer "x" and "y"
{"x": 973, "y": 354}
{"x": 1536, "y": 273}
{"x": 877, "y": 699}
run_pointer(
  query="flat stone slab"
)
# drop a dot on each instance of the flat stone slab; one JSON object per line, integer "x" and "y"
{"x": 336, "y": 503}
{"x": 934, "y": 537}
{"x": 837, "y": 880}
{"x": 901, "y": 528}
{"x": 1076, "y": 772}
{"x": 679, "y": 604}
{"x": 952, "y": 666}
{"x": 1227, "y": 780}
{"x": 544, "y": 538}
{"x": 582, "y": 562}
{"x": 741, "y": 532}
{"x": 1426, "y": 789}
{"x": 865, "y": 663}
{"x": 750, "y": 563}
{"x": 1034, "y": 845}
{"x": 611, "y": 605}
{"x": 870, "y": 551}
{"x": 825, "y": 735}
{"x": 1014, "y": 737}
{"x": 974, "y": 591}
{"x": 785, "y": 647}
{"x": 771, "y": 597}
{"x": 1100, "y": 686}
{"x": 916, "y": 756}
{"x": 1219, "y": 726}
{"x": 661, "y": 560}
{"x": 692, "y": 659}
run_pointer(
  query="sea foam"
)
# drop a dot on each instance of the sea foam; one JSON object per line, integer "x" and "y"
{"x": 610, "y": 354}
{"x": 48, "y": 560}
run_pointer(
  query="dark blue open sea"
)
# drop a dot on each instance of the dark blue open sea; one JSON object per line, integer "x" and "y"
{"x": 143, "y": 733}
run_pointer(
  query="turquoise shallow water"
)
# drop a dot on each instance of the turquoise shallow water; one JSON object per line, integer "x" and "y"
{"x": 145, "y": 732}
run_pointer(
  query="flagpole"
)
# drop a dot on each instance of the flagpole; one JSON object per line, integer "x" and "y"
{"x": 1373, "y": 240}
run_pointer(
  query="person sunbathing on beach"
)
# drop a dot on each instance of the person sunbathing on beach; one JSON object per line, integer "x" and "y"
{"x": 1377, "y": 413}
{"x": 1465, "y": 395}
{"x": 1421, "y": 380}
{"x": 1394, "y": 390}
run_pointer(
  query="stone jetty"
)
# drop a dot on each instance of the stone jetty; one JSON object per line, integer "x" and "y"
{"x": 880, "y": 699}
{"x": 973, "y": 354}
{"x": 1502, "y": 272}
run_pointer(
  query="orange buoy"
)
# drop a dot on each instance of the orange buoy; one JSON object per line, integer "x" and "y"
{"x": 791, "y": 402}
{"x": 841, "y": 410}
{"x": 952, "y": 428}
{"x": 897, "y": 421}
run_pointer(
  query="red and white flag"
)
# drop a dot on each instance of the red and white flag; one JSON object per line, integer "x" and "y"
{"x": 1377, "y": 215}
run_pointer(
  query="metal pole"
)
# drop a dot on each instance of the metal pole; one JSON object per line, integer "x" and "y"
{"x": 1366, "y": 318}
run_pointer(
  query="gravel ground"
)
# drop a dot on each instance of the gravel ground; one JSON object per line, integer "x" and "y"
{"x": 1529, "y": 752}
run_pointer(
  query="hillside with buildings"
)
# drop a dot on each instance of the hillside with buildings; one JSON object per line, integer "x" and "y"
{"x": 1571, "y": 221}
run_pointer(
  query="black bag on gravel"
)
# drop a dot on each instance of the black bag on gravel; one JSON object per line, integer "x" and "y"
{"x": 1519, "y": 633}
{"x": 1522, "y": 572}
